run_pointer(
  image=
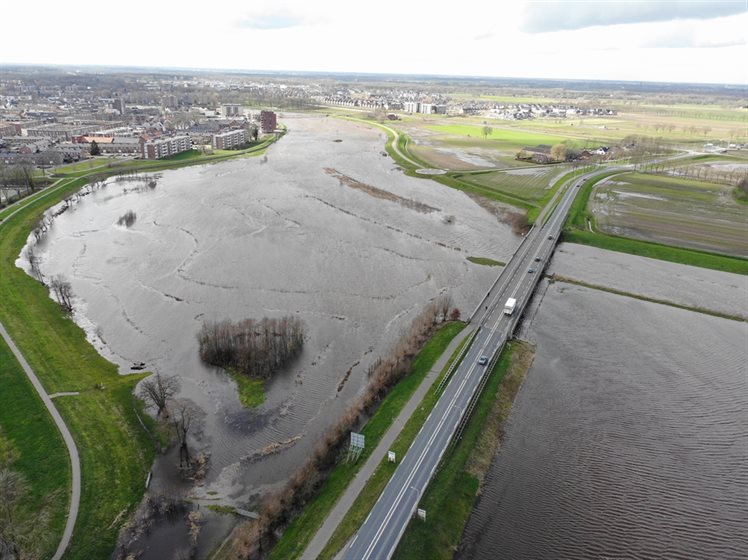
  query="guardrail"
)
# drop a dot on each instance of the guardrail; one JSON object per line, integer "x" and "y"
{"x": 456, "y": 362}
{"x": 503, "y": 271}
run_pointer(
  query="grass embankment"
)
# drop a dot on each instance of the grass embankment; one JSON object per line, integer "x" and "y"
{"x": 301, "y": 531}
{"x": 576, "y": 230}
{"x": 375, "y": 485}
{"x": 42, "y": 457}
{"x": 115, "y": 451}
{"x": 485, "y": 261}
{"x": 449, "y": 498}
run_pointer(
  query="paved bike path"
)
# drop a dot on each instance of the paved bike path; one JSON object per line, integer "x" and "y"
{"x": 66, "y": 436}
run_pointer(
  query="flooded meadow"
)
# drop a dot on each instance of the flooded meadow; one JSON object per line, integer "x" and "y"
{"x": 303, "y": 231}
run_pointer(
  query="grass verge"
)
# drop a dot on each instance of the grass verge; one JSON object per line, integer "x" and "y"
{"x": 449, "y": 498}
{"x": 485, "y": 261}
{"x": 374, "y": 486}
{"x": 301, "y": 531}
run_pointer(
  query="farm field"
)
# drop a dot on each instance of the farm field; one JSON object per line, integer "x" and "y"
{"x": 530, "y": 183}
{"x": 673, "y": 211}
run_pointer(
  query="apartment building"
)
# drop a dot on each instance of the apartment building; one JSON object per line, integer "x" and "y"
{"x": 230, "y": 139}
{"x": 164, "y": 147}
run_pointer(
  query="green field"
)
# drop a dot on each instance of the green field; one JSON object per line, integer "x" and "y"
{"x": 673, "y": 211}
{"x": 42, "y": 459}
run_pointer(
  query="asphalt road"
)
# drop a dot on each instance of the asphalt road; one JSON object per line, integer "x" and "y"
{"x": 379, "y": 535}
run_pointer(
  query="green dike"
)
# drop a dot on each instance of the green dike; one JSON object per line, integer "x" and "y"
{"x": 449, "y": 498}
{"x": 115, "y": 451}
{"x": 301, "y": 531}
{"x": 679, "y": 255}
{"x": 375, "y": 485}
{"x": 43, "y": 460}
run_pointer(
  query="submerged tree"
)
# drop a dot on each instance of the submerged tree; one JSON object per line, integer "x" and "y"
{"x": 182, "y": 420}
{"x": 63, "y": 292}
{"x": 159, "y": 390}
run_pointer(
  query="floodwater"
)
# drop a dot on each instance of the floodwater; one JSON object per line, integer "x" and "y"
{"x": 269, "y": 236}
{"x": 717, "y": 291}
{"x": 627, "y": 440}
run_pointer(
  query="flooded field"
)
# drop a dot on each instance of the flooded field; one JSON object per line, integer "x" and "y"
{"x": 673, "y": 211}
{"x": 304, "y": 231}
{"x": 628, "y": 439}
{"x": 717, "y": 291}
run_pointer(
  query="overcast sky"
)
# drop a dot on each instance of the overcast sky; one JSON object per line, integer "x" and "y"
{"x": 629, "y": 40}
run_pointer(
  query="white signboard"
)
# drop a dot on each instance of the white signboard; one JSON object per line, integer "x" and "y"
{"x": 391, "y": 456}
{"x": 357, "y": 440}
{"x": 421, "y": 514}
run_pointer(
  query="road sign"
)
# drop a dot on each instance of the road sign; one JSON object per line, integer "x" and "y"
{"x": 358, "y": 440}
{"x": 391, "y": 456}
{"x": 421, "y": 514}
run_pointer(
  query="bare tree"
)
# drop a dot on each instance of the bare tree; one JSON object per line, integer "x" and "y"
{"x": 182, "y": 419}
{"x": 558, "y": 152}
{"x": 159, "y": 390}
{"x": 34, "y": 265}
{"x": 63, "y": 292}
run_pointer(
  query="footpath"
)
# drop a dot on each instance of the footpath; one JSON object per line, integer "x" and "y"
{"x": 66, "y": 436}
{"x": 325, "y": 532}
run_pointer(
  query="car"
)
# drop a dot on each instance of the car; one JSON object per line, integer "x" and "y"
{"x": 538, "y": 259}
{"x": 483, "y": 360}
{"x": 530, "y": 270}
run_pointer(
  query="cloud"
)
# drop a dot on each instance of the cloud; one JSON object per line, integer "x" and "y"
{"x": 278, "y": 20}
{"x": 690, "y": 42}
{"x": 551, "y": 16}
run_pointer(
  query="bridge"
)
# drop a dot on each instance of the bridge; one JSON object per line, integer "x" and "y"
{"x": 380, "y": 533}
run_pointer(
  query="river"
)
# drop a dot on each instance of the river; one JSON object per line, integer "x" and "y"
{"x": 269, "y": 236}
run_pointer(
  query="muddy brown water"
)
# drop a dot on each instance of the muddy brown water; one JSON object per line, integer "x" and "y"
{"x": 268, "y": 236}
{"x": 628, "y": 439}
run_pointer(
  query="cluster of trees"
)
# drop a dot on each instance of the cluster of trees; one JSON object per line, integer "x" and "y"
{"x": 127, "y": 219}
{"x": 254, "y": 540}
{"x": 701, "y": 172}
{"x": 63, "y": 292}
{"x": 256, "y": 348}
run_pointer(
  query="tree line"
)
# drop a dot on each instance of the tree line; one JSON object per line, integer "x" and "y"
{"x": 251, "y": 347}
